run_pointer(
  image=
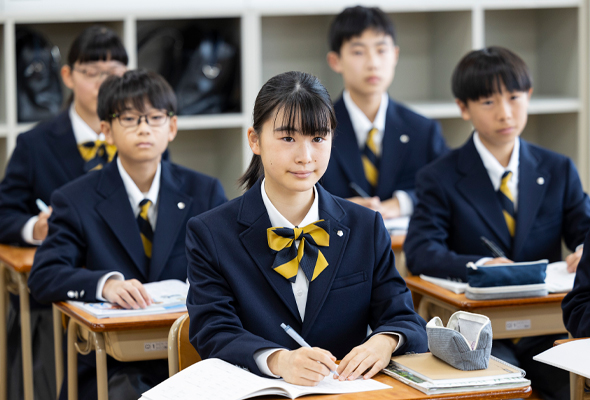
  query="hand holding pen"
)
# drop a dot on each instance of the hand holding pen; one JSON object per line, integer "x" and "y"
{"x": 497, "y": 253}
{"x": 41, "y": 227}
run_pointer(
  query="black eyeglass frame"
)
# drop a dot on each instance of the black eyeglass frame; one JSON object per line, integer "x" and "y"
{"x": 167, "y": 115}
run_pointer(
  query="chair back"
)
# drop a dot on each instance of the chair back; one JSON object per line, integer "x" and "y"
{"x": 181, "y": 353}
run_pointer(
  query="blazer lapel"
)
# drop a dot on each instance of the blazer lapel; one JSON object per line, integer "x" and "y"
{"x": 117, "y": 213}
{"x": 393, "y": 153}
{"x": 331, "y": 211}
{"x": 348, "y": 154}
{"x": 63, "y": 144}
{"x": 530, "y": 195}
{"x": 171, "y": 218}
{"x": 254, "y": 238}
{"x": 477, "y": 189}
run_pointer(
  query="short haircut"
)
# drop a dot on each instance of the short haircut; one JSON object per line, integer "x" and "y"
{"x": 353, "y": 21}
{"x": 482, "y": 72}
{"x": 134, "y": 89}
{"x": 97, "y": 43}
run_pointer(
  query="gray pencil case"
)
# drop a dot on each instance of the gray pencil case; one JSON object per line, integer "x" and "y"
{"x": 465, "y": 343}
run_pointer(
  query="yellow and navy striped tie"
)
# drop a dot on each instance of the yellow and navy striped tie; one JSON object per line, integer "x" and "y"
{"x": 370, "y": 159}
{"x": 507, "y": 203}
{"x": 96, "y": 154}
{"x": 145, "y": 228}
{"x": 308, "y": 256}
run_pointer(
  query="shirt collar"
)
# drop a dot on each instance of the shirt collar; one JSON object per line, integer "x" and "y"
{"x": 493, "y": 166}
{"x": 360, "y": 122}
{"x": 135, "y": 195}
{"x": 82, "y": 132}
{"x": 277, "y": 219}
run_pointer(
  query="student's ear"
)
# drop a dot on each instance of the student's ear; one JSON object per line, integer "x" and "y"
{"x": 530, "y": 93}
{"x": 66, "y": 76}
{"x": 333, "y": 59}
{"x": 106, "y": 128}
{"x": 254, "y": 141}
{"x": 173, "y": 128}
{"x": 465, "y": 114}
{"x": 396, "y": 53}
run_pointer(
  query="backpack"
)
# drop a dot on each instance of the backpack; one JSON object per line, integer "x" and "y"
{"x": 39, "y": 94}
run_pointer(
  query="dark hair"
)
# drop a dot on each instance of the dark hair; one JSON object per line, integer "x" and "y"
{"x": 134, "y": 88}
{"x": 97, "y": 43}
{"x": 481, "y": 73}
{"x": 306, "y": 107}
{"x": 353, "y": 21}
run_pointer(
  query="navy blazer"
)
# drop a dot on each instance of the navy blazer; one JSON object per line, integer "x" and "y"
{"x": 576, "y": 305}
{"x": 457, "y": 205}
{"x": 237, "y": 302}
{"x": 93, "y": 226}
{"x": 401, "y": 156}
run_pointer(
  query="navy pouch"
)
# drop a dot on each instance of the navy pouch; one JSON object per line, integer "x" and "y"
{"x": 523, "y": 273}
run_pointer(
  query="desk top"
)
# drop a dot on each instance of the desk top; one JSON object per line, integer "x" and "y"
{"x": 397, "y": 242}
{"x": 18, "y": 258}
{"x": 420, "y": 286}
{"x": 401, "y": 391}
{"x": 118, "y": 324}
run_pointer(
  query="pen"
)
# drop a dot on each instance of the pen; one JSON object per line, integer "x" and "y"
{"x": 42, "y": 206}
{"x": 358, "y": 190}
{"x": 493, "y": 247}
{"x": 291, "y": 332}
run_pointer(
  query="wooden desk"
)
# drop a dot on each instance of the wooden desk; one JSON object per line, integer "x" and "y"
{"x": 401, "y": 391}
{"x": 511, "y": 318}
{"x": 125, "y": 339}
{"x": 397, "y": 243}
{"x": 15, "y": 265}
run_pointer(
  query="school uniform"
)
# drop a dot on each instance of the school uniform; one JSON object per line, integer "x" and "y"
{"x": 407, "y": 142}
{"x": 237, "y": 301}
{"x": 93, "y": 233}
{"x": 576, "y": 305}
{"x": 458, "y": 204}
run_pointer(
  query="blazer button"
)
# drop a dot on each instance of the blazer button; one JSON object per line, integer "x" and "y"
{"x": 404, "y": 138}
{"x": 540, "y": 180}
{"x": 181, "y": 205}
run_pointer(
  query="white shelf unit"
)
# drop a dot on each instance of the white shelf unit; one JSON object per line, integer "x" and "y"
{"x": 551, "y": 35}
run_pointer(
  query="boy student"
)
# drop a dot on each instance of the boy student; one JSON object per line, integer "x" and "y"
{"x": 524, "y": 198}
{"x": 124, "y": 225}
{"x": 379, "y": 144}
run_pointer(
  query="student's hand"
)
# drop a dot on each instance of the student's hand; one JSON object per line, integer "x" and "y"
{"x": 573, "y": 259}
{"x": 304, "y": 366}
{"x": 371, "y": 356}
{"x": 374, "y": 203}
{"x": 128, "y": 294}
{"x": 41, "y": 227}
{"x": 498, "y": 260}
{"x": 390, "y": 208}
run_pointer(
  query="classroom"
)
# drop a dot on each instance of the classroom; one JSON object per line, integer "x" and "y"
{"x": 404, "y": 85}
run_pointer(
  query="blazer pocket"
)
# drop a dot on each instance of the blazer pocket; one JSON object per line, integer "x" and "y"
{"x": 547, "y": 222}
{"x": 349, "y": 280}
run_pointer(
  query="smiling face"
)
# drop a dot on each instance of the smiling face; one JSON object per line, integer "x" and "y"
{"x": 499, "y": 118}
{"x": 293, "y": 162}
{"x": 366, "y": 62}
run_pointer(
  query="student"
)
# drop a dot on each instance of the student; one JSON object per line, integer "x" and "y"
{"x": 99, "y": 245}
{"x": 524, "y": 198}
{"x": 345, "y": 280}
{"x": 576, "y": 305}
{"x": 44, "y": 159}
{"x": 379, "y": 144}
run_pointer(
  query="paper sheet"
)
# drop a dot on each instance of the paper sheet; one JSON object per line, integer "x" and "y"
{"x": 558, "y": 280}
{"x": 397, "y": 226}
{"x": 571, "y": 356}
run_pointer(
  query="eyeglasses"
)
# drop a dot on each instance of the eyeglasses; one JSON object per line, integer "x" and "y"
{"x": 95, "y": 74}
{"x": 155, "y": 118}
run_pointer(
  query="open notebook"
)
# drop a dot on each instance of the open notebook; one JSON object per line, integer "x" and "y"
{"x": 215, "y": 379}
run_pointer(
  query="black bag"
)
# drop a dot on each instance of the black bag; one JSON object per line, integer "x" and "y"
{"x": 37, "y": 77}
{"x": 160, "y": 50}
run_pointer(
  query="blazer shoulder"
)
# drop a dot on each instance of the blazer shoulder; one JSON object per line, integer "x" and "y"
{"x": 409, "y": 116}
{"x": 40, "y": 131}
{"x": 441, "y": 166}
{"x": 185, "y": 173}
{"x": 545, "y": 156}
{"x": 220, "y": 215}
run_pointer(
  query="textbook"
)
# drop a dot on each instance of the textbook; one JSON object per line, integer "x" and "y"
{"x": 169, "y": 297}
{"x": 570, "y": 356}
{"x": 215, "y": 379}
{"x": 397, "y": 226}
{"x": 431, "y": 375}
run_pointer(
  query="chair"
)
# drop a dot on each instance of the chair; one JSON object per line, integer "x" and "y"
{"x": 181, "y": 353}
{"x": 578, "y": 384}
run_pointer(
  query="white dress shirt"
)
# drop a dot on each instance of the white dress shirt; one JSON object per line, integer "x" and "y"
{"x": 83, "y": 133}
{"x": 135, "y": 197}
{"x": 301, "y": 285}
{"x": 362, "y": 125}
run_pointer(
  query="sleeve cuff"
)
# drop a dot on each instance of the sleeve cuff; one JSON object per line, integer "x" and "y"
{"x": 261, "y": 357}
{"x": 482, "y": 261}
{"x": 111, "y": 275}
{"x": 27, "y": 231}
{"x": 400, "y": 339}
{"x": 406, "y": 206}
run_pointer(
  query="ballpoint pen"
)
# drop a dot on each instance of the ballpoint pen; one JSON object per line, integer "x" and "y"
{"x": 493, "y": 247}
{"x": 42, "y": 206}
{"x": 291, "y": 332}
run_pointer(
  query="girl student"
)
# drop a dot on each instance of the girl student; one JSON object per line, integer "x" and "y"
{"x": 288, "y": 252}
{"x": 50, "y": 155}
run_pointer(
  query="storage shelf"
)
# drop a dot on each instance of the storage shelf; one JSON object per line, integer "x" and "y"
{"x": 210, "y": 121}
{"x": 3, "y": 131}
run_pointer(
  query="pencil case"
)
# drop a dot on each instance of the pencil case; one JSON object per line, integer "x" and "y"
{"x": 465, "y": 343}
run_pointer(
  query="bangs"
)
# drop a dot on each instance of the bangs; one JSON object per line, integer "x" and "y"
{"x": 97, "y": 43}
{"x": 486, "y": 82}
{"x": 306, "y": 115}
{"x": 100, "y": 53}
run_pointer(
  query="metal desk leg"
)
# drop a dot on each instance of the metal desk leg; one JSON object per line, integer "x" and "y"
{"x": 58, "y": 349}
{"x": 72, "y": 360}
{"x": 25, "y": 329}
{"x": 3, "y": 322}
{"x": 101, "y": 366}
